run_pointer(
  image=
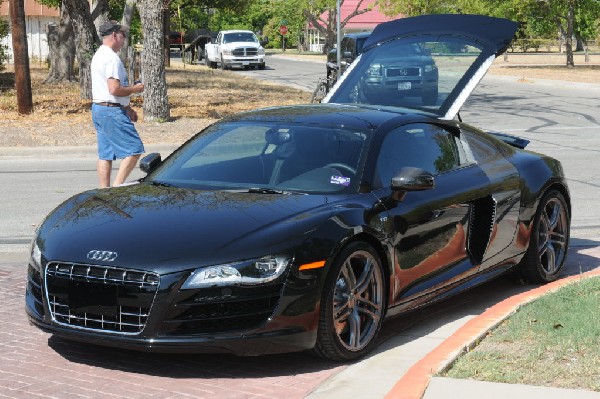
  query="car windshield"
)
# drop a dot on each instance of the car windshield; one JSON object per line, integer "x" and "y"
{"x": 267, "y": 158}
{"x": 416, "y": 73}
{"x": 239, "y": 37}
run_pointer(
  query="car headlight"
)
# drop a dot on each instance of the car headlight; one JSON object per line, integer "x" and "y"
{"x": 374, "y": 70}
{"x": 261, "y": 51}
{"x": 429, "y": 68}
{"x": 251, "y": 272}
{"x": 36, "y": 256}
{"x": 227, "y": 52}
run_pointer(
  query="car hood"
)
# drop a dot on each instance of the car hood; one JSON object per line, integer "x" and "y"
{"x": 476, "y": 39}
{"x": 154, "y": 228}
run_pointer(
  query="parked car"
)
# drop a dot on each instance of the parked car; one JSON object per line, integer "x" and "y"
{"x": 235, "y": 48}
{"x": 304, "y": 227}
{"x": 351, "y": 45}
{"x": 176, "y": 40}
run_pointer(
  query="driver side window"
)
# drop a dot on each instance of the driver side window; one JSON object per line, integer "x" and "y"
{"x": 420, "y": 145}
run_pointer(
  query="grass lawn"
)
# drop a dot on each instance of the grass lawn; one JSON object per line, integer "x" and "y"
{"x": 554, "y": 341}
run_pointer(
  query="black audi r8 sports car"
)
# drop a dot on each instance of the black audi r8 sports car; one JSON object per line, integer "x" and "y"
{"x": 303, "y": 227}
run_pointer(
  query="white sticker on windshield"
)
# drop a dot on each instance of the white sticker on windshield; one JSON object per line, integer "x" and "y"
{"x": 340, "y": 180}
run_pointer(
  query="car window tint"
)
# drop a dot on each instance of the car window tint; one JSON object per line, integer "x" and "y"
{"x": 424, "y": 146}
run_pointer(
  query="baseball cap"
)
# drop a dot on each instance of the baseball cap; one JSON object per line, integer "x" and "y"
{"x": 109, "y": 27}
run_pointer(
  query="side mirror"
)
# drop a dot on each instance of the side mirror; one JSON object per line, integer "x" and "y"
{"x": 412, "y": 179}
{"x": 150, "y": 162}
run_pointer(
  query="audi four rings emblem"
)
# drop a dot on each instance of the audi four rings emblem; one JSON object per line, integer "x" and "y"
{"x": 107, "y": 256}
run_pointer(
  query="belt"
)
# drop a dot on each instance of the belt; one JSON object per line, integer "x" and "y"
{"x": 106, "y": 104}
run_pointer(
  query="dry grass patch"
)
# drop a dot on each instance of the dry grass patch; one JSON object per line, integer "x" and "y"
{"x": 554, "y": 341}
{"x": 197, "y": 97}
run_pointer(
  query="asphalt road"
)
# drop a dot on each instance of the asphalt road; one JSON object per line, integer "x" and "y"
{"x": 558, "y": 119}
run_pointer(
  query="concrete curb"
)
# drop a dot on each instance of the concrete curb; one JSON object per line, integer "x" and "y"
{"x": 414, "y": 382}
{"x": 74, "y": 151}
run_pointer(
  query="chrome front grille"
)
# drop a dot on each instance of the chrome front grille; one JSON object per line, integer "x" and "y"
{"x": 102, "y": 298}
{"x": 393, "y": 72}
{"x": 245, "y": 51}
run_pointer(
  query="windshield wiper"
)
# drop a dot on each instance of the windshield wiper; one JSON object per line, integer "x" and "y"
{"x": 262, "y": 190}
{"x": 161, "y": 184}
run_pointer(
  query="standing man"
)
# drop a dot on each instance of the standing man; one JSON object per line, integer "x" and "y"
{"x": 111, "y": 112}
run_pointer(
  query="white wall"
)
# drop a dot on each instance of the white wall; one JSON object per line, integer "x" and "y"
{"x": 37, "y": 43}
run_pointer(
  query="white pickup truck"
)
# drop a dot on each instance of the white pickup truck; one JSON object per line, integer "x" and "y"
{"x": 239, "y": 48}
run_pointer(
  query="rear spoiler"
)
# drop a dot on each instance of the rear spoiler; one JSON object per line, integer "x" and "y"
{"x": 510, "y": 139}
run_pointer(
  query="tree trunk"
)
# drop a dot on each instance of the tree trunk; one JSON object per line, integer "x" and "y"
{"x": 156, "y": 105}
{"x": 21, "y": 57}
{"x": 126, "y": 20}
{"x": 569, "y": 34}
{"x": 86, "y": 42}
{"x": 61, "y": 43}
{"x": 100, "y": 12}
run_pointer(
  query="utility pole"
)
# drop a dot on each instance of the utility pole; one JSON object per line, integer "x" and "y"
{"x": 338, "y": 39}
{"x": 21, "y": 56}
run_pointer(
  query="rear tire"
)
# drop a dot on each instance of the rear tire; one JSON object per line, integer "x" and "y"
{"x": 353, "y": 304}
{"x": 549, "y": 240}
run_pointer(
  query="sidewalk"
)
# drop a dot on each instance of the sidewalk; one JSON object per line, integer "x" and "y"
{"x": 402, "y": 367}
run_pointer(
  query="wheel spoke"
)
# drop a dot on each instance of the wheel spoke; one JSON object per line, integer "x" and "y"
{"x": 348, "y": 275}
{"x": 365, "y": 278}
{"x": 550, "y": 259}
{"x": 341, "y": 313}
{"x": 374, "y": 315}
{"x": 354, "y": 327}
{"x": 554, "y": 216}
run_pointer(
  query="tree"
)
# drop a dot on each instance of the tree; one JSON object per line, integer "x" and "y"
{"x": 61, "y": 45}
{"x": 21, "y": 57}
{"x": 156, "y": 105}
{"x": 86, "y": 39}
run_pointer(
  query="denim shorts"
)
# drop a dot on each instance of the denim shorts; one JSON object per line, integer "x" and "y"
{"x": 117, "y": 137}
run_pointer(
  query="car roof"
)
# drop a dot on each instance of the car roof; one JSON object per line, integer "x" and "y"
{"x": 353, "y": 117}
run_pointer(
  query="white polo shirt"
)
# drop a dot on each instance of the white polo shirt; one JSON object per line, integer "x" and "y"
{"x": 107, "y": 64}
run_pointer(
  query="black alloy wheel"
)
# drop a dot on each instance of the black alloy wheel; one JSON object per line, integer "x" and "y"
{"x": 549, "y": 240}
{"x": 352, "y": 304}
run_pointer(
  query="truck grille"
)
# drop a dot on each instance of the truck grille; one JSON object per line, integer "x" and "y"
{"x": 399, "y": 72}
{"x": 245, "y": 51}
{"x": 109, "y": 299}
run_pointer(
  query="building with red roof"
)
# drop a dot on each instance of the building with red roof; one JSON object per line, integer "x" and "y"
{"x": 363, "y": 22}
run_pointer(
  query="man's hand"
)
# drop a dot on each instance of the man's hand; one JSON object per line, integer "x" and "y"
{"x": 137, "y": 88}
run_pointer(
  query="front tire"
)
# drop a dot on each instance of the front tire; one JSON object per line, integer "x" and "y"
{"x": 549, "y": 240}
{"x": 223, "y": 65}
{"x": 352, "y": 304}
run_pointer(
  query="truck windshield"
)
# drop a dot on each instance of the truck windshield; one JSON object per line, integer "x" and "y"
{"x": 239, "y": 37}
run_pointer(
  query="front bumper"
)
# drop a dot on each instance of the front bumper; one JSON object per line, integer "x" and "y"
{"x": 244, "y": 61}
{"x": 282, "y": 317}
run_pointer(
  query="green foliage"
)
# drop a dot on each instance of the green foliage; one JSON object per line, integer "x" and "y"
{"x": 3, "y": 49}
{"x": 552, "y": 341}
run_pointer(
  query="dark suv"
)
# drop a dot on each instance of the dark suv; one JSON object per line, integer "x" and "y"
{"x": 351, "y": 45}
